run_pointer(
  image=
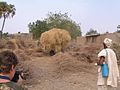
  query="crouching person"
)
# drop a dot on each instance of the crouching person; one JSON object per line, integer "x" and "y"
{"x": 8, "y": 62}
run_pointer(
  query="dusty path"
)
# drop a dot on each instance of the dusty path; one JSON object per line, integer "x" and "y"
{"x": 46, "y": 76}
{"x": 49, "y": 73}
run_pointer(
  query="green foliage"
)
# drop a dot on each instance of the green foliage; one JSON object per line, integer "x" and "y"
{"x": 118, "y": 29}
{"x": 6, "y": 10}
{"x": 91, "y": 32}
{"x": 63, "y": 21}
{"x": 5, "y": 34}
{"x": 55, "y": 20}
{"x": 37, "y": 28}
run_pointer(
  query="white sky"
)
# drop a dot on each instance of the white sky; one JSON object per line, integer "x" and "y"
{"x": 102, "y": 15}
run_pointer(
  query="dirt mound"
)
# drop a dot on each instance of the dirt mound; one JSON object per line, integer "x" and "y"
{"x": 87, "y": 53}
{"x": 60, "y": 69}
{"x": 69, "y": 63}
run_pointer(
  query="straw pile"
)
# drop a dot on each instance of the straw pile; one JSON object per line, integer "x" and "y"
{"x": 54, "y": 39}
{"x": 12, "y": 44}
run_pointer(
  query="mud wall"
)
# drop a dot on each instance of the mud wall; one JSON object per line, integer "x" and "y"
{"x": 99, "y": 39}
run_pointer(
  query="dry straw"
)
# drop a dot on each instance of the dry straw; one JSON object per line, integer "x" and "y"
{"x": 54, "y": 39}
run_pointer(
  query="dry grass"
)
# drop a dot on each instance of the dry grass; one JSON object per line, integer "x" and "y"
{"x": 54, "y": 39}
{"x": 116, "y": 48}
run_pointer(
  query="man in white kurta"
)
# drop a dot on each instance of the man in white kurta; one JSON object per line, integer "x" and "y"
{"x": 110, "y": 82}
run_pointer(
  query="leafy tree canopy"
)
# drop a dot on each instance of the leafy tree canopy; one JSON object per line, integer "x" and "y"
{"x": 6, "y": 10}
{"x": 118, "y": 28}
{"x": 55, "y": 20}
{"x": 92, "y": 32}
{"x": 37, "y": 28}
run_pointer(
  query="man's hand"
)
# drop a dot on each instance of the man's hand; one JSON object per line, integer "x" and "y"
{"x": 20, "y": 80}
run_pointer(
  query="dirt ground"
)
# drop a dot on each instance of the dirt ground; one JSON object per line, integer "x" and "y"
{"x": 72, "y": 69}
{"x": 50, "y": 75}
{"x": 47, "y": 74}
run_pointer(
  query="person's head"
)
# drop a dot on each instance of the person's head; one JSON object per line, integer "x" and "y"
{"x": 107, "y": 43}
{"x": 8, "y": 62}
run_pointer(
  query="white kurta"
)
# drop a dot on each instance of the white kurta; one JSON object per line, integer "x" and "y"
{"x": 113, "y": 69}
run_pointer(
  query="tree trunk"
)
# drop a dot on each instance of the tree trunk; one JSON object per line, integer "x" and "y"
{"x": 2, "y": 27}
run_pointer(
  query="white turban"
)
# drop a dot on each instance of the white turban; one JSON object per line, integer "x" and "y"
{"x": 108, "y": 42}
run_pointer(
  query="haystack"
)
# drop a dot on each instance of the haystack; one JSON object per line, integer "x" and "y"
{"x": 12, "y": 44}
{"x": 54, "y": 39}
{"x": 15, "y": 44}
{"x": 2, "y": 43}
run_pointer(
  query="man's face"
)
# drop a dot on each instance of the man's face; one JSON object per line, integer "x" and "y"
{"x": 12, "y": 72}
{"x": 104, "y": 45}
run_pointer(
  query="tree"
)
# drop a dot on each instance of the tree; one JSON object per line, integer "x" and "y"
{"x": 63, "y": 21}
{"x": 118, "y": 28}
{"x": 55, "y": 20}
{"x": 5, "y": 34}
{"x": 6, "y": 10}
{"x": 91, "y": 32}
{"x": 37, "y": 28}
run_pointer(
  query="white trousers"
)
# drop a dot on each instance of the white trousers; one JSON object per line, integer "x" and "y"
{"x": 105, "y": 87}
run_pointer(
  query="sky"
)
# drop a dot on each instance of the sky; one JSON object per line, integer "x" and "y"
{"x": 101, "y": 15}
